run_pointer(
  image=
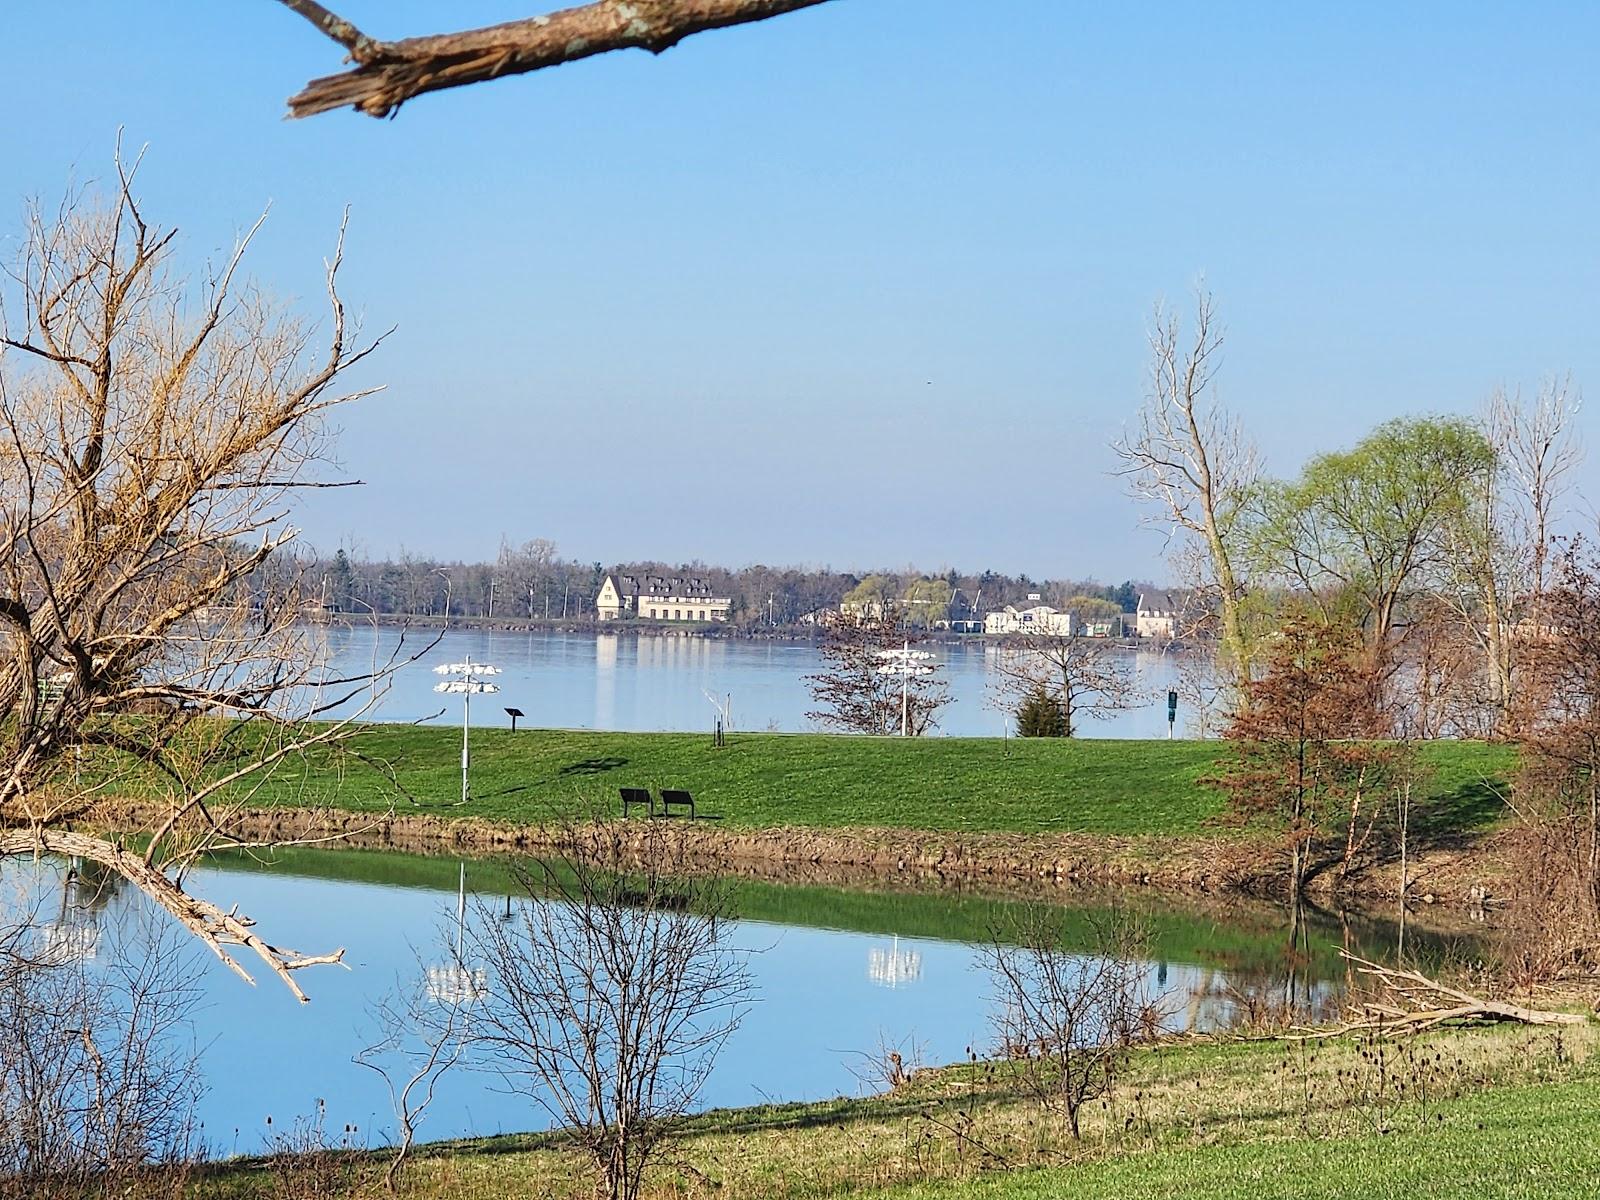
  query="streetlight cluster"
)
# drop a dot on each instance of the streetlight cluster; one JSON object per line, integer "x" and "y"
{"x": 905, "y": 663}
{"x": 469, "y": 680}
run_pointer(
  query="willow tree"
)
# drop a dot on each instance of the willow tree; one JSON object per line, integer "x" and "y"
{"x": 1362, "y": 530}
{"x": 153, "y": 428}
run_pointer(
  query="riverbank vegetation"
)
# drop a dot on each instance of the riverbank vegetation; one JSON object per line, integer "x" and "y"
{"x": 1457, "y": 1113}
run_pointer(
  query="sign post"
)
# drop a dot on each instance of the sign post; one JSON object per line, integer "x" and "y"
{"x": 1172, "y": 712}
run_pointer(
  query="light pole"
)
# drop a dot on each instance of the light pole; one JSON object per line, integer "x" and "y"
{"x": 905, "y": 663}
{"x": 469, "y": 679}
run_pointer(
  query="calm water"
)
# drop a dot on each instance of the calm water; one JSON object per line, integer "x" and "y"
{"x": 656, "y": 682}
{"x": 837, "y": 972}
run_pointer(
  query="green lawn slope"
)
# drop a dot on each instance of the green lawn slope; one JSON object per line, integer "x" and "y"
{"x": 758, "y": 781}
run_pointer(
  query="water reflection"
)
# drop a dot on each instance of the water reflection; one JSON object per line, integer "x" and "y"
{"x": 894, "y": 967}
{"x": 1210, "y": 965}
{"x": 605, "y": 681}
{"x": 73, "y": 934}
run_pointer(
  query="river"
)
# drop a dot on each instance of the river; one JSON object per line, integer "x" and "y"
{"x": 644, "y": 682}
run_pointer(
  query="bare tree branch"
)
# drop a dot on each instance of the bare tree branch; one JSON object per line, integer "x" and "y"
{"x": 387, "y": 74}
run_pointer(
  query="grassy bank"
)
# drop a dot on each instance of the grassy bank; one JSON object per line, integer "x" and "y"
{"x": 1518, "y": 1143}
{"x": 762, "y": 781}
{"x": 1486, "y": 1113}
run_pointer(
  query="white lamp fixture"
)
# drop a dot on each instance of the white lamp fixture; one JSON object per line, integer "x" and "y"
{"x": 469, "y": 680}
{"x": 905, "y": 663}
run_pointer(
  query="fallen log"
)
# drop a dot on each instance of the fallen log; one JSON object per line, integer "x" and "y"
{"x": 1416, "y": 1003}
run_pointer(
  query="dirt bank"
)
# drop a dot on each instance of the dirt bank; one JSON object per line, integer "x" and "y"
{"x": 1461, "y": 874}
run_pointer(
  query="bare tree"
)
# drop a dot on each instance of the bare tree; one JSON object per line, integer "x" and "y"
{"x": 1558, "y": 785}
{"x": 1192, "y": 463}
{"x": 611, "y": 992}
{"x": 152, "y": 431}
{"x": 99, "y": 1075}
{"x": 854, "y": 693}
{"x": 423, "y": 1033}
{"x": 1539, "y": 450}
{"x": 1068, "y": 1016}
{"x": 1081, "y": 675}
{"x": 1500, "y": 550}
{"x": 387, "y": 74}
{"x": 1204, "y": 688}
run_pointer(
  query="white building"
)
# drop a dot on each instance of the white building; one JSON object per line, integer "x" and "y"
{"x": 656, "y": 598}
{"x": 1158, "y": 615}
{"x": 1040, "y": 619}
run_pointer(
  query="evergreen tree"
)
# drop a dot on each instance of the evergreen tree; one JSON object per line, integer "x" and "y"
{"x": 1041, "y": 715}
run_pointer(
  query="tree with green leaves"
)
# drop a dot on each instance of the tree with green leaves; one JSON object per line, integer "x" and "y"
{"x": 339, "y": 590}
{"x": 927, "y": 602}
{"x": 1362, "y": 530}
{"x": 873, "y": 599}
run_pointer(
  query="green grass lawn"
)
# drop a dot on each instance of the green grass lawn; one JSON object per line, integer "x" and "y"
{"x": 1518, "y": 1143}
{"x": 1486, "y": 1114}
{"x": 1104, "y": 786}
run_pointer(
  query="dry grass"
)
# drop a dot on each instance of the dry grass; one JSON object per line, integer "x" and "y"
{"x": 959, "y": 1122}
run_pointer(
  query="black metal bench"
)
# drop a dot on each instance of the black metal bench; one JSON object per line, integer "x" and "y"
{"x": 669, "y": 797}
{"x": 632, "y": 796}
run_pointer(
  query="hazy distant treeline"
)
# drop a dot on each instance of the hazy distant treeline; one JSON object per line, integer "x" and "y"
{"x": 533, "y": 581}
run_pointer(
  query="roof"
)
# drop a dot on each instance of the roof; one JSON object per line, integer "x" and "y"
{"x": 1161, "y": 604}
{"x": 661, "y": 585}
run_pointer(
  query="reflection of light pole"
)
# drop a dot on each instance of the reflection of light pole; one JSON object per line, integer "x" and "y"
{"x": 73, "y": 936}
{"x": 893, "y": 967}
{"x": 905, "y": 663}
{"x": 469, "y": 681}
{"x": 454, "y": 983}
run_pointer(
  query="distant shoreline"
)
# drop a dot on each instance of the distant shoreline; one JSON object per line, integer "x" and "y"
{"x": 638, "y": 628}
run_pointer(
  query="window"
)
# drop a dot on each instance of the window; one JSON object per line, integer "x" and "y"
{"x": 652, "y": 614}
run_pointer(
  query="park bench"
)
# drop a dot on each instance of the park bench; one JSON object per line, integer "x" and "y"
{"x": 669, "y": 797}
{"x": 632, "y": 796}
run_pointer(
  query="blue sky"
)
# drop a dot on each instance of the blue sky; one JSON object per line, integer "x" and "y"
{"x": 868, "y": 284}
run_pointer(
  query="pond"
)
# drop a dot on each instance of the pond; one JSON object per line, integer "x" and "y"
{"x": 649, "y": 682}
{"x": 839, "y": 972}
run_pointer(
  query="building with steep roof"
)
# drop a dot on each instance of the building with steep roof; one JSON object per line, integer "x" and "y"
{"x": 659, "y": 598}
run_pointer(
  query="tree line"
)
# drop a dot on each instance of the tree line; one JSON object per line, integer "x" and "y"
{"x": 531, "y": 581}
